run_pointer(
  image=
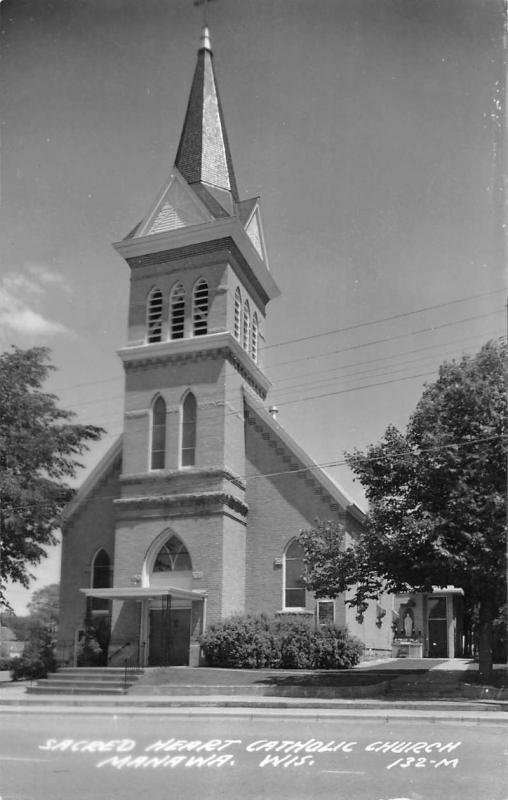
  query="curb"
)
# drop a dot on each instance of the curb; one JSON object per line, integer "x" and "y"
{"x": 490, "y": 711}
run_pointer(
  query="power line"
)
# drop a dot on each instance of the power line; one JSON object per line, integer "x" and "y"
{"x": 402, "y": 315}
{"x": 293, "y": 400}
{"x": 388, "y": 338}
{"x": 323, "y": 465}
{"x": 327, "y": 333}
{"x": 275, "y": 388}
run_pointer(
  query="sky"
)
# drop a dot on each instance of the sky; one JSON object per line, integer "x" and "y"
{"x": 373, "y": 130}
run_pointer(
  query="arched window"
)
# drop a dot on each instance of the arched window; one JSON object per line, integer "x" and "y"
{"x": 158, "y": 454}
{"x": 200, "y": 308}
{"x": 238, "y": 315}
{"x": 246, "y": 326}
{"x": 101, "y": 570}
{"x": 101, "y": 579}
{"x": 254, "y": 337}
{"x": 189, "y": 414}
{"x": 173, "y": 557}
{"x": 294, "y": 588}
{"x": 177, "y": 312}
{"x": 154, "y": 316}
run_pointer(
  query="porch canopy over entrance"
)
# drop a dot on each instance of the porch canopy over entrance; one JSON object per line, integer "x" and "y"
{"x": 168, "y": 629}
{"x": 145, "y": 593}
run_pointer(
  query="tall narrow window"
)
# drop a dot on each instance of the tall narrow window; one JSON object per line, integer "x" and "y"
{"x": 158, "y": 457}
{"x": 294, "y": 588}
{"x": 254, "y": 337}
{"x": 154, "y": 316}
{"x": 101, "y": 571}
{"x": 200, "y": 308}
{"x": 101, "y": 579}
{"x": 177, "y": 311}
{"x": 246, "y": 326}
{"x": 238, "y": 315}
{"x": 189, "y": 413}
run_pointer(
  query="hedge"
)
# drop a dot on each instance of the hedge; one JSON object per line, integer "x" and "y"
{"x": 279, "y": 643}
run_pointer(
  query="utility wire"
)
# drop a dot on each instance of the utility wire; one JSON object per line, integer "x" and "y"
{"x": 387, "y": 339}
{"x": 381, "y": 320}
{"x": 325, "y": 465}
{"x": 317, "y": 335}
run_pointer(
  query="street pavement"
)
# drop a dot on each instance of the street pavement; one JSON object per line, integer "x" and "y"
{"x": 288, "y": 755}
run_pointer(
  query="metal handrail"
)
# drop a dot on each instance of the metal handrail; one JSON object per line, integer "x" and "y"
{"x": 119, "y": 650}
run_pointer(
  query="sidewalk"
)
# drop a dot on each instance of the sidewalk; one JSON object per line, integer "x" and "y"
{"x": 202, "y": 690}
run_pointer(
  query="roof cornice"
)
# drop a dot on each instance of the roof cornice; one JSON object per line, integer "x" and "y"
{"x": 98, "y": 474}
{"x": 226, "y": 227}
{"x": 211, "y": 344}
{"x": 337, "y": 494}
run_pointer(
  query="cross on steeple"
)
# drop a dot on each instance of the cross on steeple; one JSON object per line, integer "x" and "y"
{"x": 203, "y": 3}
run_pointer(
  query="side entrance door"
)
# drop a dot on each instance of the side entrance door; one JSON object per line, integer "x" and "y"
{"x": 169, "y": 637}
{"x": 438, "y": 628}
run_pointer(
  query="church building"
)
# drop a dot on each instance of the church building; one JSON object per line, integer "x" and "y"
{"x": 192, "y": 516}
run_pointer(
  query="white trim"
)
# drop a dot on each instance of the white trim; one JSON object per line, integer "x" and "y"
{"x": 196, "y": 285}
{"x": 148, "y": 304}
{"x": 256, "y": 211}
{"x": 246, "y": 326}
{"x": 175, "y": 177}
{"x": 237, "y": 306}
{"x": 285, "y": 608}
{"x": 176, "y": 285}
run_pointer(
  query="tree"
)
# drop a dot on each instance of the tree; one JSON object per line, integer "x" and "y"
{"x": 436, "y": 493}
{"x": 44, "y": 606}
{"x": 39, "y": 446}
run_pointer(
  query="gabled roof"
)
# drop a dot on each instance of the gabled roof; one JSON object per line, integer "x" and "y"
{"x": 97, "y": 475}
{"x": 177, "y": 206}
{"x": 244, "y": 209}
{"x": 336, "y": 493}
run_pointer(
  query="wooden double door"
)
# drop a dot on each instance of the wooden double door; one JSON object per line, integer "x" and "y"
{"x": 169, "y": 637}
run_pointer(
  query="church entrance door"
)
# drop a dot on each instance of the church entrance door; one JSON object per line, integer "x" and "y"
{"x": 180, "y": 625}
{"x": 169, "y": 637}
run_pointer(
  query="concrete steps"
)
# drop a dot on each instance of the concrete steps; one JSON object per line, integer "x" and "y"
{"x": 87, "y": 681}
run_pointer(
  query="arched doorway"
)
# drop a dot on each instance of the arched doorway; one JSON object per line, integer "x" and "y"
{"x": 170, "y": 616}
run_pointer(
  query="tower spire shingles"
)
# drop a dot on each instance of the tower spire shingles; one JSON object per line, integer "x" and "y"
{"x": 203, "y": 153}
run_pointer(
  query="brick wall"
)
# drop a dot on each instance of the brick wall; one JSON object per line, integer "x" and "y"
{"x": 91, "y": 528}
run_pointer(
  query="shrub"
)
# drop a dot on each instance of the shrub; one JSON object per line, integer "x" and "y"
{"x": 279, "y": 643}
{"x": 5, "y": 663}
{"x": 38, "y": 658}
{"x": 93, "y": 648}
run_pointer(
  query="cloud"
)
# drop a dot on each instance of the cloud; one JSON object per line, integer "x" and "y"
{"x": 22, "y": 296}
{"x": 48, "y": 277}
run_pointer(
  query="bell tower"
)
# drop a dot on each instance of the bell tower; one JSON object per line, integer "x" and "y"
{"x": 200, "y": 285}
